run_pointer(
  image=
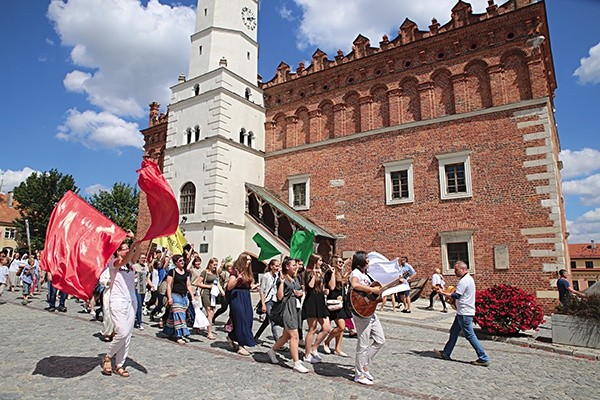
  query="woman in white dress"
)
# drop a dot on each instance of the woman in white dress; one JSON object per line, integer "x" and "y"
{"x": 123, "y": 304}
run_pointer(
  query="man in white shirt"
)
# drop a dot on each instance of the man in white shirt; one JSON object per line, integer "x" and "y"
{"x": 463, "y": 321}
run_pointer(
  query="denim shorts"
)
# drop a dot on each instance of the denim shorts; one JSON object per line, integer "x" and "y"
{"x": 405, "y": 293}
{"x": 26, "y": 288}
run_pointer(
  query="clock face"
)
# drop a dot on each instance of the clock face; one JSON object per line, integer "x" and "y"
{"x": 248, "y": 18}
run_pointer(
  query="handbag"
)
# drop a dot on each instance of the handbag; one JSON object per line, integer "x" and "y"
{"x": 334, "y": 304}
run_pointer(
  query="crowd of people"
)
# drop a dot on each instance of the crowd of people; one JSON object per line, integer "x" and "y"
{"x": 183, "y": 297}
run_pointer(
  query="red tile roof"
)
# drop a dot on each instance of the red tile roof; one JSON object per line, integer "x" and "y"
{"x": 584, "y": 250}
{"x": 7, "y": 214}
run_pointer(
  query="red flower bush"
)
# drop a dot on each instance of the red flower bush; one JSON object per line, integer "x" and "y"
{"x": 504, "y": 309}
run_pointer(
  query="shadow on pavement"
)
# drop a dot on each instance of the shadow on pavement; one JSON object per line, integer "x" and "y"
{"x": 72, "y": 366}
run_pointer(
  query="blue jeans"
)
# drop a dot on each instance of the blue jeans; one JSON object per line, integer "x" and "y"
{"x": 138, "y": 311}
{"x": 52, "y": 297}
{"x": 464, "y": 323}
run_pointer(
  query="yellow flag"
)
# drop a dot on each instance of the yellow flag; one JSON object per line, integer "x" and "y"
{"x": 174, "y": 243}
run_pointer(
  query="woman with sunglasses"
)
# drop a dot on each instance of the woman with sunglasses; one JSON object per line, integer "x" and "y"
{"x": 123, "y": 304}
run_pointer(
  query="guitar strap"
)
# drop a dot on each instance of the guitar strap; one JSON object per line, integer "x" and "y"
{"x": 370, "y": 277}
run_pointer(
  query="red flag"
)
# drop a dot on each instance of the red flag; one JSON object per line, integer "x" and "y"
{"x": 79, "y": 243}
{"x": 164, "y": 211}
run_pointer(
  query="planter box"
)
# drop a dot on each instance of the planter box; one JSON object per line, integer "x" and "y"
{"x": 575, "y": 331}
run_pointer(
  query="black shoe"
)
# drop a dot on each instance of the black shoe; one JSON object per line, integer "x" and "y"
{"x": 429, "y": 308}
{"x": 480, "y": 362}
{"x": 50, "y": 309}
{"x": 62, "y": 309}
{"x": 441, "y": 354}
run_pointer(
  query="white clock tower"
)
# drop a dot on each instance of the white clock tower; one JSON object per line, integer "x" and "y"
{"x": 215, "y": 137}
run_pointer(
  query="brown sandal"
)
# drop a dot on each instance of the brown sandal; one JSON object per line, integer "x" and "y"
{"x": 106, "y": 366}
{"x": 121, "y": 372}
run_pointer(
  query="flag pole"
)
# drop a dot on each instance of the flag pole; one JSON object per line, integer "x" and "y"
{"x": 28, "y": 236}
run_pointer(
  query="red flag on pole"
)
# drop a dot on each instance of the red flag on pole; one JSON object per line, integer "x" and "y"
{"x": 164, "y": 211}
{"x": 79, "y": 243}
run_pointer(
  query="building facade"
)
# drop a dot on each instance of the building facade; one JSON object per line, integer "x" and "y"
{"x": 439, "y": 145}
{"x": 8, "y": 229}
{"x": 585, "y": 264}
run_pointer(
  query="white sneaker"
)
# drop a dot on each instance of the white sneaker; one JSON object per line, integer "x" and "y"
{"x": 362, "y": 380}
{"x": 326, "y": 349}
{"x": 368, "y": 375}
{"x": 316, "y": 355}
{"x": 298, "y": 367}
{"x": 312, "y": 360}
{"x": 141, "y": 328}
{"x": 272, "y": 356}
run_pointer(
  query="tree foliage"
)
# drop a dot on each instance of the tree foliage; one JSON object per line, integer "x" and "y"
{"x": 35, "y": 200}
{"x": 120, "y": 204}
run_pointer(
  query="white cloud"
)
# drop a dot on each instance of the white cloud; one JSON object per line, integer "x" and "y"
{"x": 126, "y": 55}
{"x": 11, "y": 179}
{"x": 588, "y": 189}
{"x": 579, "y": 162}
{"x": 99, "y": 130}
{"x": 286, "y": 13}
{"x": 589, "y": 69}
{"x": 336, "y": 30}
{"x": 95, "y": 189}
{"x": 585, "y": 227}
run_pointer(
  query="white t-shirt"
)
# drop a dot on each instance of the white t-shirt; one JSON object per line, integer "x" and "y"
{"x": 15, "y": 265}
{"x": 3, "y": 274}
{"x": 437, "y": 279}
{"x": 363, "y": 279}
{"x": 122, "y": 286}
{"x": 267, "y": 287}
{"x": 466, "y": 288}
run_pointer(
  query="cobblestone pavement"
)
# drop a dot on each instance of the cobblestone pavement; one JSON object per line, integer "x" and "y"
{"x": 58, "y": 354}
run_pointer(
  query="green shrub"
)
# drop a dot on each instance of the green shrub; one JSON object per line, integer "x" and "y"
{"x": 586, "y": 307}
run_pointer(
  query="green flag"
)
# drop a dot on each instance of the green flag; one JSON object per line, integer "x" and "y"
{"x": 267, "y": 250}
{"x": 301, "y": 245}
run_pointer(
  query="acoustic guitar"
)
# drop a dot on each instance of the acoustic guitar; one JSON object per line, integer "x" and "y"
{"x": 449, "y": 300}
{"x": 364, "y": 304}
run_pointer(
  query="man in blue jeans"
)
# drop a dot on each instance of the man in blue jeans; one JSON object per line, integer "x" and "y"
{"x": 465, "y": 311}
{"x": 52, "y": 297}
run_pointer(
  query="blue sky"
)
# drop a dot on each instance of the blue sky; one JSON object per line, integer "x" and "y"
{"x": 77, "y": 76}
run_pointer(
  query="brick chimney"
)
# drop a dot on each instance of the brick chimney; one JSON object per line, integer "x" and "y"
{"x": 9, "y": 199}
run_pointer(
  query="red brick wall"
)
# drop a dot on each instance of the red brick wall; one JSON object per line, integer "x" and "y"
{"x": 449, "y": 71}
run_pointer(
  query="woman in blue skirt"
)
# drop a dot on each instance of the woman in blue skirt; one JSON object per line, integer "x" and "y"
{"x": 178, "y": 286}
{"x": 240, "y": 304}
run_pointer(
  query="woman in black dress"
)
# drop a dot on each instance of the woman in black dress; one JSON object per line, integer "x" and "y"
{"x": 315, "y": 308}
{"x": 335, "y": 281}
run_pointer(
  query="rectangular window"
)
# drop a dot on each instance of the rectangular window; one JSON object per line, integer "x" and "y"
{"x": 398, "y": 182}
{"x": 455, "y": 178}
{"x": 455, "y": 246}
{"x": 10, "y": 233}
{"x": 589, "y": 264}
{"x": 203, "y": 248}
{"x": 591, "y": 283}
{"x": 457, "y": 252}
{"x": 200, "y": 50}
{"x": 575, "y": 285}
{"x": 573, "y": 264}
{"x": 455, "y": 175}
{"x": 299, "y": 192}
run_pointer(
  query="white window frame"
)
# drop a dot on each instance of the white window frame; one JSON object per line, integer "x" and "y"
{"x": 454, "y": 158}
{"x": 457, "y": 237}
{"x": 396, "y": 166}
{"x": 10, "y": 233}
{"x": 294, "y": 180}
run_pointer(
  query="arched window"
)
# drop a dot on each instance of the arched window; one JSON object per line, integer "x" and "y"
{"x": 248, "y": 94}
{"x": 196, "y": 133}
{"x": 242, "y": 136}
{"x": 188, "y": 134}
{"x": 187, "y": 199}
{"x": 196, "y": 90}
{"x": 250, "y": 139}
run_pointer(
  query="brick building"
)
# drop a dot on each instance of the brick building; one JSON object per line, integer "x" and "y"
{"x": 439, "y": 145}
{"x": 585, "y": 264}
{"x": 8, "y": 228}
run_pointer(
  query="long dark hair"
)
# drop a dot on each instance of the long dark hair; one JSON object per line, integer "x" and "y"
{"x": 359, "y": 260}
